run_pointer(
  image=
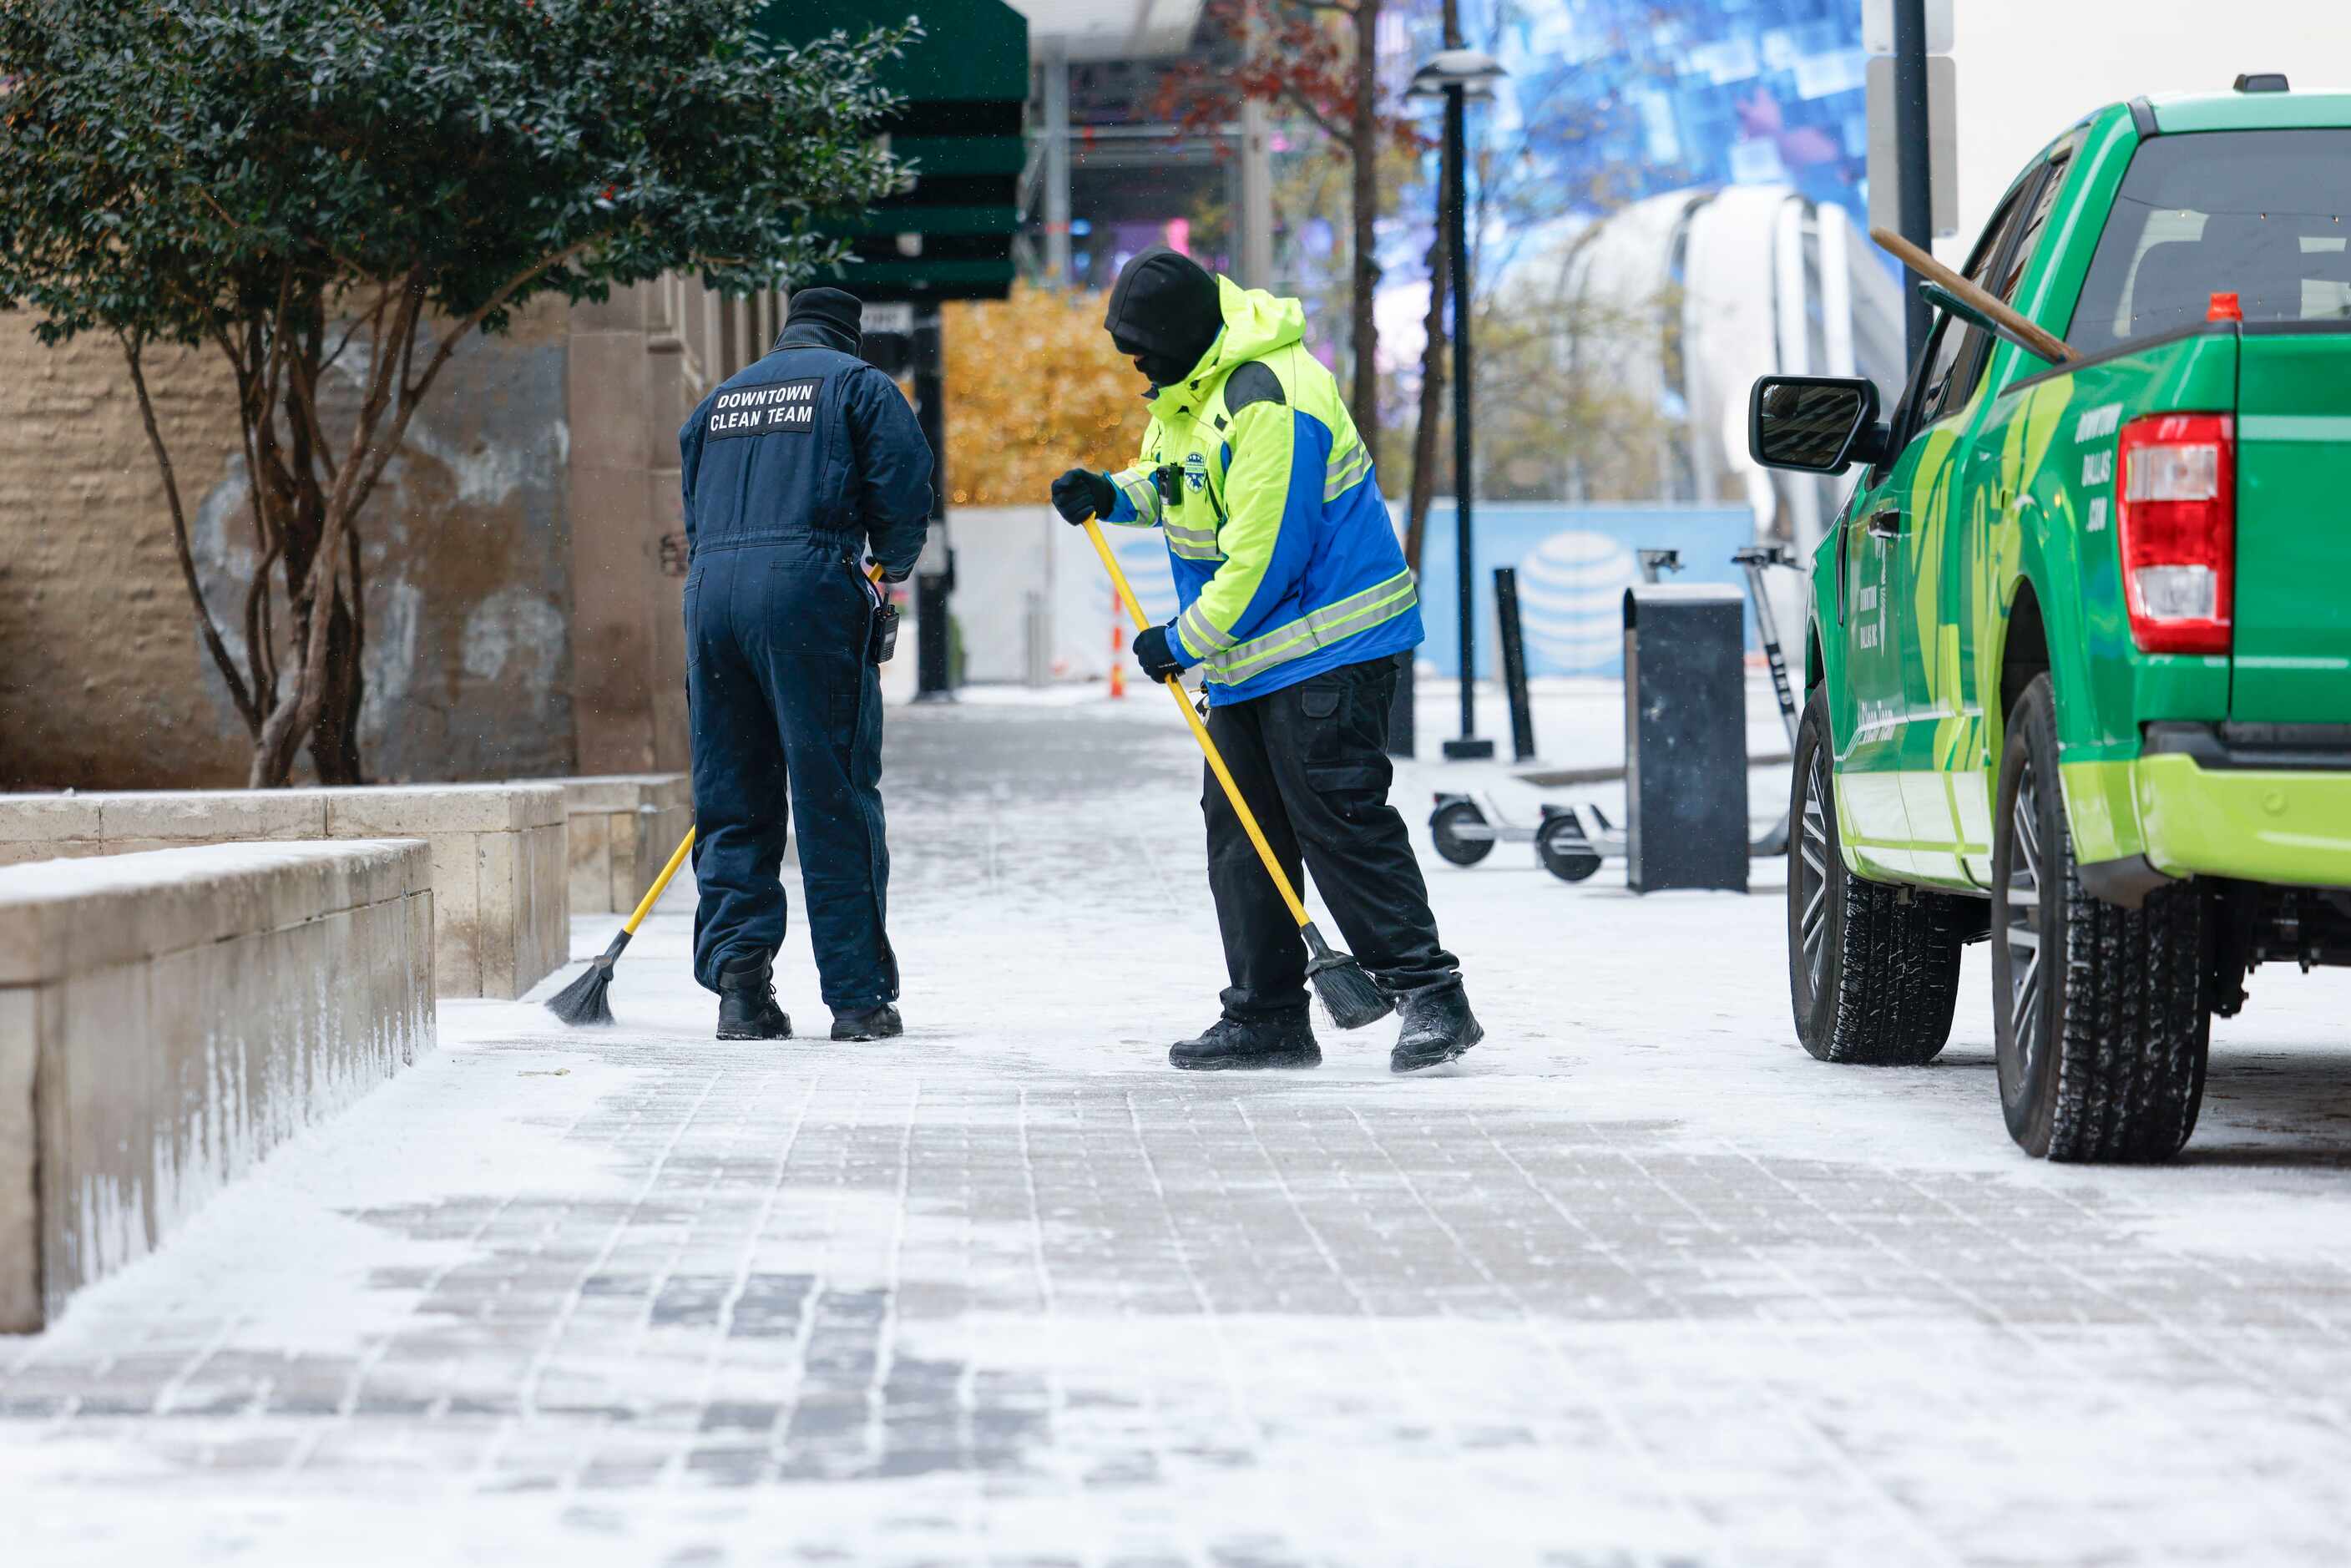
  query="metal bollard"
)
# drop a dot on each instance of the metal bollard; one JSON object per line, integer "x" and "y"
{"x": 1685, "y": 737}
{"x": 1514, "y": 663}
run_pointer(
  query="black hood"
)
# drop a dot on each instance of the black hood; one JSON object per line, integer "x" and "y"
{"x": 824, "y": 317}
{"x": 1166, "y": 312}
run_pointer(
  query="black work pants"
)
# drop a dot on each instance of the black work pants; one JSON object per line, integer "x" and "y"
{"x": 786, "y": 716}
{"x": 1311, "y": 761}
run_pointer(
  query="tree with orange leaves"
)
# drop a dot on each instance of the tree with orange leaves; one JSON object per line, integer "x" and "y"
{"x": 1036, "y": 385}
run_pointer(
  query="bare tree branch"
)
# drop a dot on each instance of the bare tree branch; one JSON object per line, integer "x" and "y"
{"x": 1323, "y": 122}
{"x": 357, "y": 585}
{"x": 260, "y": 658}
{"x": 306, "y": 399}
{"x": 412, "y": 392}
{"x": 373, "y": 313}
{"x": 371, "y": 449}
{"x": 132, "y": 349}
{"x": 504, "y": 292}
{"x": 297, "y": 715}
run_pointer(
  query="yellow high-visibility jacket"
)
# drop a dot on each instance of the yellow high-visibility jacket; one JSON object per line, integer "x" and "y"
{"x": 1286, "y": 561}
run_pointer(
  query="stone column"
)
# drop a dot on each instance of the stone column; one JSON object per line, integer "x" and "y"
{"x": 638, "y": 365}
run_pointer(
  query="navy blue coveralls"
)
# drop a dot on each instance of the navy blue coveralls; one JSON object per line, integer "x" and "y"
{"x": 791, "y": 468}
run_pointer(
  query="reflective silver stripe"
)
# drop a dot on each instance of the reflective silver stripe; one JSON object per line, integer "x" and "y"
{"x": 1347, "y": 472}
{"x": 1317, "y": 629}
{"x": 1140, "y": 493}
{"x": 1192, "y": 544}
{"x": 1200, "y": 633}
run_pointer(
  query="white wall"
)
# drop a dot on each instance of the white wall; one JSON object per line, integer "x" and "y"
{"x": 2029, "y": 68}
{"x": 1004, "y": 555}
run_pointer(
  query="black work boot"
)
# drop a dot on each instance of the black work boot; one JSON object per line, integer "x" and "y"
{"x": 1437, "y": 1027}
{"x": 1232, "y": 1044}
{"x": 746, "y": 1001}
{"x": 874, "y": 1023}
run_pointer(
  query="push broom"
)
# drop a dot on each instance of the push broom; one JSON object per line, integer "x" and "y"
{"x": 585, "y": 1000}
{"x": 1348, "y": 993}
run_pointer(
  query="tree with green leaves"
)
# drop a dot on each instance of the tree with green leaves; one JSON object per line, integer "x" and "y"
{"x": 343, "y": 191}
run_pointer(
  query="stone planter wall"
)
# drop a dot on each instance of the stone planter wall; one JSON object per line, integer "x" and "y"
{"x": 501, "y": 910}
{"x": 624, "y": 828}
{"x": 166, "y": 1019}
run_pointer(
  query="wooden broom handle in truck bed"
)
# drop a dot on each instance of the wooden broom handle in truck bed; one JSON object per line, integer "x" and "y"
{"x": 2048, "y": 345}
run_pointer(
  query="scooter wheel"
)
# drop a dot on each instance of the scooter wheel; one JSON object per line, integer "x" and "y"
{"x": 1443, "y": 827}
{"x": 1564, "y": 851}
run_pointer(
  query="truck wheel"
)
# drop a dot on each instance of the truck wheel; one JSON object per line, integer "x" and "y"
{"x": 1442, "y": 824}
{"x": 1873, "y": 970}
{"x": 2101, "y": 1016}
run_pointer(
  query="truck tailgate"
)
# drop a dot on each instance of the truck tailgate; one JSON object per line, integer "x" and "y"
{"x": 2293, "y": 643}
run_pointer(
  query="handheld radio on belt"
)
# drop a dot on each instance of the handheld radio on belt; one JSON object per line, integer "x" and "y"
{"x": 881, "y": 641}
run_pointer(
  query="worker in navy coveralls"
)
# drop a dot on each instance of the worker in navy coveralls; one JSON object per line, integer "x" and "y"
{"x": 793, "y": 469}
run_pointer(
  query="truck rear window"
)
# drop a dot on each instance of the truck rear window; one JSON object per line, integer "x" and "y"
{"x": 2257, "y": 214}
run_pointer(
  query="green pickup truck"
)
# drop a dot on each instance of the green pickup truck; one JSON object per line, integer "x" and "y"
{"x": 2079, "y": 673}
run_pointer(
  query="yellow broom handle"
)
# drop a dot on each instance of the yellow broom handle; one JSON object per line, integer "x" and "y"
{"x": 1200, "y": 732}
{"x": 660, "y": 883}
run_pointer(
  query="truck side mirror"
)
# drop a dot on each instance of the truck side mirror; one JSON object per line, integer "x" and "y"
{"x": 1814, "y": 424}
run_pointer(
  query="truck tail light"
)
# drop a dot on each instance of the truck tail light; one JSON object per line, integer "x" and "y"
{"x": 2176, "y": 513}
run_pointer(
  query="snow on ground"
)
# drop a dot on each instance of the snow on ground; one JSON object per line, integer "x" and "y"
{"x": 1578, "y": 721}
{"x": 1638, "y": 1283}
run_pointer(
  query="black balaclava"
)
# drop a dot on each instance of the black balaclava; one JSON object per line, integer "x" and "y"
{"x": 1164, "y": 314}
{"x": 831, "y": 317}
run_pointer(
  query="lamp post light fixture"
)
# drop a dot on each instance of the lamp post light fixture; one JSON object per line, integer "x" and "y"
{"x": 1458, "y": 76}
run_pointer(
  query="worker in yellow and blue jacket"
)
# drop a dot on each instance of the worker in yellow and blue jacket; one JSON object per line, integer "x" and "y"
{"x": 1298, "y": 606}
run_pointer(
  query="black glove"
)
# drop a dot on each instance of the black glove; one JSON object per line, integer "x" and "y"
{"x": 1153, "y": 653}
{"x": 1080, "y": 493}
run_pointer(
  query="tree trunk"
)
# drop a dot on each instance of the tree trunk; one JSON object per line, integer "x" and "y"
{"x": 1432, "y": 386}
{"x": 335, "y": 738}
{"x": 1433, "y": 347}
{"x": 297, "y": 490}
{"x": 1364, "y": 144}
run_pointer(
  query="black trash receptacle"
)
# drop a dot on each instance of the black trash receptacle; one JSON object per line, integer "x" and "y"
{"x": 1685, "y": 736}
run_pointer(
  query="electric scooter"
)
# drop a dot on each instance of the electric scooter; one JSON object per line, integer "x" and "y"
{"x": 1572, "y": 842}
{"x": 1754, "y": 559}
{"x": 1465, "y": 835}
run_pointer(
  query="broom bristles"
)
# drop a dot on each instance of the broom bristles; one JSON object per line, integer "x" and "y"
{"x": 584, "y": 1001}
{"x": 1347, "y": 993}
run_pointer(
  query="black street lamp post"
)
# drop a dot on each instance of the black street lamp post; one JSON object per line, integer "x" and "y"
{"x": 1913, "y": 158}
{"x": 1458, "y": 74}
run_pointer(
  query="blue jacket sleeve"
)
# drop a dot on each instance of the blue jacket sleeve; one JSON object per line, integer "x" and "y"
{"x": 689, "y": 461}
{"x": 1275, "y": 460}
{"x": 891, "y": 470}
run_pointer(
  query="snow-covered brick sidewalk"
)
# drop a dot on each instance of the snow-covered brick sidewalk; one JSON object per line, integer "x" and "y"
{"x": 1638, "y": 1284}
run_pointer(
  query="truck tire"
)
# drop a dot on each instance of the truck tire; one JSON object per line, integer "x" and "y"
{"x": 1873, "y": 968}
{"x": 2101, "y": 1051}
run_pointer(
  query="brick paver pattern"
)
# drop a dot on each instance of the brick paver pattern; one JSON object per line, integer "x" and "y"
{"x": 1039, "y": 1300}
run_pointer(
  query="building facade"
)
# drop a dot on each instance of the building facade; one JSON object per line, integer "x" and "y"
{"x": 522, "y": 561}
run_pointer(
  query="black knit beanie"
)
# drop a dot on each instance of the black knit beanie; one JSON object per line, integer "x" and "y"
{"x": 834, "y": 308}
{"x": 1164, "y": 312}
